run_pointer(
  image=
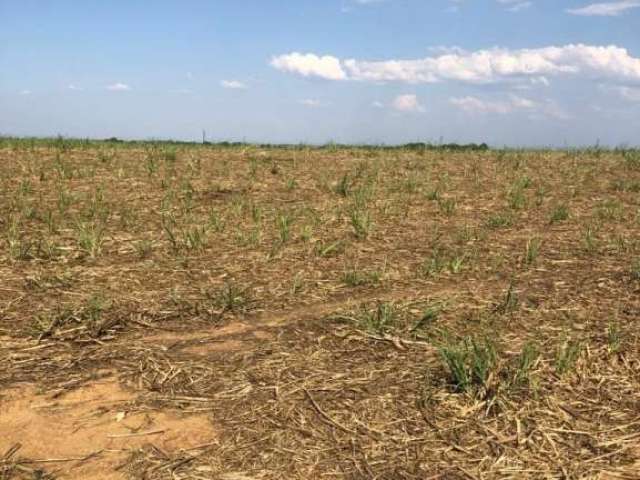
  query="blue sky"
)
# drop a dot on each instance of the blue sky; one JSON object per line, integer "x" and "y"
{"x": 508, "y": 72}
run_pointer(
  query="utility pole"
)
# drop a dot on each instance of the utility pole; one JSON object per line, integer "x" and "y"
{"x": 204, "y": 137}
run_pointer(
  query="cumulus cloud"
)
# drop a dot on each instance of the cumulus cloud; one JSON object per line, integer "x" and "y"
{"x": 310, "y": 65}
{"x": 407, "y": 103}
{"x": 606, "y": 9}
{"x": 118, "y": 87}
{"x": 25, "y": 92}
{"x": 233, "y": 84}
{"x": 478, "y": 67}
{"x": 72, "y": 86}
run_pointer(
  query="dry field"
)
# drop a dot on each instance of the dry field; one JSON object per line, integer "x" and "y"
{"x": 247, "y": 313}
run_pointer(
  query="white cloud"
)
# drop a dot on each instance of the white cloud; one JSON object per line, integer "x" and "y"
{"x": 476, "y": 105}
{"x": 311, "y": 102}
{"x": 511, "y": 5}
{"x": 606, "y": 9}
{"x": 522, "y": 103}
{"x": 454, "y": 6}
{"x": 118, "y": 87}
{"x": 233, "y": 84}
{"x": 479, "y": 67}
{"x": 377, "y": 104}
{"x": 25, "y": 92}
{"x": 540, "y": 81}
{"x": 630, "y": 94}
{"x": 310, "y": 65}
{"x": 551, "y": 109}
{"x": 513, "y": 104}
{"x": 71, "y": 86}
{"x": 519, "y": 6}
{"x": 516, "y": 5}
{"x": 533, "y": 82}
{"x": 407, "y": 103}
